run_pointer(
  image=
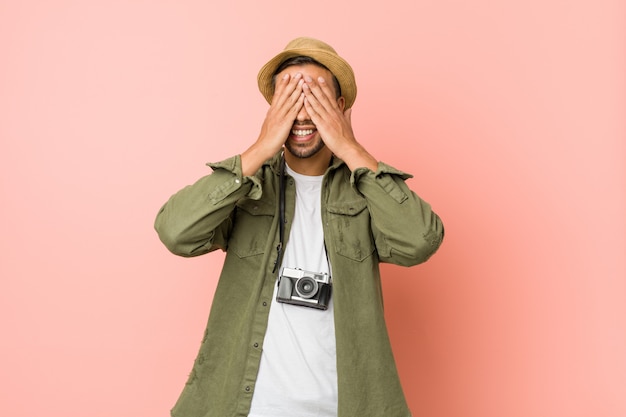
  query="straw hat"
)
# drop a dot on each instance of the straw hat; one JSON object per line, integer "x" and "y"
{"x": 319, "y": 51}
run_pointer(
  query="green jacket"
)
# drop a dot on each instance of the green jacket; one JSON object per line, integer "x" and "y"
{"x": 368, "y": 218}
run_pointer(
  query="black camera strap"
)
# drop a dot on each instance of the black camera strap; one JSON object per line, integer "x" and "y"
{"x": 281, "y": 213}
{"x": 281, "y": 217}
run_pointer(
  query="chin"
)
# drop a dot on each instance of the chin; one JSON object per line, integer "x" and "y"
{"x": 304, "y": 152}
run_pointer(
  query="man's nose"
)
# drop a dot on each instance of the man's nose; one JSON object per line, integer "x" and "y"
{"x": 302, "y": 115}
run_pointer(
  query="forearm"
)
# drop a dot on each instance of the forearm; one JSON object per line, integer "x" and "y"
{"x": 406, "y": 229}
{"x": 255, "y": 156}
{"x": 196, "y": 219}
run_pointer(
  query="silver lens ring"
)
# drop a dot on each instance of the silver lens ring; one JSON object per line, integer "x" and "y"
{"x": 306, "y": 287}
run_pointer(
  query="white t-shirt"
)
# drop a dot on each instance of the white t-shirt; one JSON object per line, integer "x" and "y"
{"x": 298, "y": 371}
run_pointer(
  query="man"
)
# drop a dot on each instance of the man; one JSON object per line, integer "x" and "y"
{"x": 305, "y": 215}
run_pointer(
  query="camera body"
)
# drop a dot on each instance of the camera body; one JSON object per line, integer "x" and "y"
{"x": 304, "y": 288}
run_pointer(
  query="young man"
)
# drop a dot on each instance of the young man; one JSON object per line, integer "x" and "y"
{"x": 305, "y": 216}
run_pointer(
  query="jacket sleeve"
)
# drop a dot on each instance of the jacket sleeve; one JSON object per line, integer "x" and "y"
{"x": 198, "y": 218}
{"x": 406, "y": 231}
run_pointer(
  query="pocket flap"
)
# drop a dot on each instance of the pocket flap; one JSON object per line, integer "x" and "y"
{"x": 256, "y": 207}
{"x": 348, "y": 208}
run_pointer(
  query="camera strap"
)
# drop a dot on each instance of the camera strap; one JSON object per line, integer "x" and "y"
{"x": 281, "y": 213}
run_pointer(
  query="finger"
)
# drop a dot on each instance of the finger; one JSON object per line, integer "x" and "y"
{"x": 322, "y": 92}
{"x": 322, "y": 99}
{"x": 280, "y": 86}
{"x": 329, "y": 93}
{"x": 312, "y": 102}
{"x": 297, "y": 106}
{"x": 288, "y": 106}
{"x": 287, "y": 90}
{"x": 312, "y": 106}
{"x": 309, "y": 108}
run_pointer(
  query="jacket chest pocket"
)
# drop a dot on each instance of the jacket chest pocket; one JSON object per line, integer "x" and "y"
{"x": 349, "y": 223}
{"x": 252, "y": 226}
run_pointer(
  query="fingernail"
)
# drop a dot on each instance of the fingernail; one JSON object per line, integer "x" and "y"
{"x": 309, "y": 79}
{"x": 321, "y": 80}
{"x": 285, "y": 76}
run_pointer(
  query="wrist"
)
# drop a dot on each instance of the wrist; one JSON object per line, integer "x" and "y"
{"x": 253, "y": 158}
{"x": 358, "y": 157}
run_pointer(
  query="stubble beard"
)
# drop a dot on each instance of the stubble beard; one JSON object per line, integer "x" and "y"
{"x": 304, "y": 151}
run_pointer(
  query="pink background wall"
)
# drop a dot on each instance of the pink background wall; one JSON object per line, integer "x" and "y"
{"x": 510, "y": 114}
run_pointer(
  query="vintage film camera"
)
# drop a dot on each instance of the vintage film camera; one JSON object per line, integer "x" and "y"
{"x": 304, "y": 288}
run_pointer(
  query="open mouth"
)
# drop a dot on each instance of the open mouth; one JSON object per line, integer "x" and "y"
{"x": 302, "y": 132}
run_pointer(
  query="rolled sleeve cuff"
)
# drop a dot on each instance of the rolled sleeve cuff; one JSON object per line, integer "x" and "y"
{"x": 383, "y": 177}
{"x": 233, "y": 180}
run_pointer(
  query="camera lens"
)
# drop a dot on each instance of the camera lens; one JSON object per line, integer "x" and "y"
{"x": 306, "y": 287}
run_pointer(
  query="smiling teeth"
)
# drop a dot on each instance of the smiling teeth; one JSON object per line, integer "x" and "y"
{"x": 302, "y": 132}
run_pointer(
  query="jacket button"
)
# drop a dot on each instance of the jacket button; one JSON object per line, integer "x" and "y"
{"x": 256, "y": 345}
{"x": 264, "y": 304}
{"x": 248, "y": 389}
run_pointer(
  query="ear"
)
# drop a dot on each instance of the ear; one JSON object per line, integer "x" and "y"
{"x": 341, "y": 102}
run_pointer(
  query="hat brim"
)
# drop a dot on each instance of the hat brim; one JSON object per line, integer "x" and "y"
{"x": 335, "y": 64}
